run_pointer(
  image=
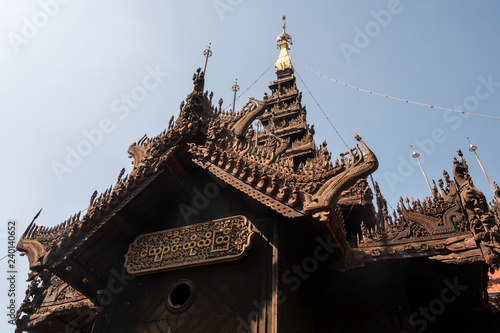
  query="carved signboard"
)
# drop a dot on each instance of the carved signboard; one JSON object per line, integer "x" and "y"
{"x": 200, "y": 244}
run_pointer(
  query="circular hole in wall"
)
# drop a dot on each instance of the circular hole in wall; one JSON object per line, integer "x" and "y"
{"x": 181, "y": 296}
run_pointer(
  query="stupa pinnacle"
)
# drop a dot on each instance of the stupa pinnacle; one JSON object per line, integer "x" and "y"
{"x": 284, "y": 41}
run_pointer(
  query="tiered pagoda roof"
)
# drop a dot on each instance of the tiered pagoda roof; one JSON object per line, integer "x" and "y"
{"x": 280, "y": 167}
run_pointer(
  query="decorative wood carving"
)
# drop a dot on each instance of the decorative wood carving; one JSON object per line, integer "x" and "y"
{"x": 482, "y": 221}
{"x": 455, "y": 219}
{"x": 48, "y": 296}
{"x": 194, "y": 245}
{"x": 278, "y": 165}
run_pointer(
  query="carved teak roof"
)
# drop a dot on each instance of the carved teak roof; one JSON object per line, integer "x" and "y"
{"x": 455, "y": 223}
{"x": 48, "y": 296}
{"x": 279, "y": 165}
{"x": 276, "y": 163}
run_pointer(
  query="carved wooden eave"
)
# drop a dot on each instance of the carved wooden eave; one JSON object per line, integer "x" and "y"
{"x": 454, "y": 226}
{"x": 221, "y": 143}
{"x": 52, "y": 305}
{"x": 482, "y": 222}
{"x": 279, "y": 167}
{"x": 306, "y": 185}
{"x": 73, "y": 232}
{"x": 293, "y": 194}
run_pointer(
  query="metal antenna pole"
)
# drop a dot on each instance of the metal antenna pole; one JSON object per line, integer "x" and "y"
{"x": 473, "y": 149}
{"x": 207, "y": 53}
{"x": 416, "y": 155}
{"x": 235, "y": 88}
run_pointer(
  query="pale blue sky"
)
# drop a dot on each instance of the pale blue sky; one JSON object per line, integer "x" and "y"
{"x": 64, "y": 69}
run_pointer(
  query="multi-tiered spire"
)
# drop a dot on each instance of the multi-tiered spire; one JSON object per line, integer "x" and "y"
{"x": 285, "y": 117}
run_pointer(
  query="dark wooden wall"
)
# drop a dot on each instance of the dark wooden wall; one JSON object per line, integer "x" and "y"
{"x": 227, "y": 297}
{"x": 222, "y": 294}
{"x": 393, "y": 296}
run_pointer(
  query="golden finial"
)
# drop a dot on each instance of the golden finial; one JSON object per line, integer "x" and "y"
{"x": 284, "y": 41}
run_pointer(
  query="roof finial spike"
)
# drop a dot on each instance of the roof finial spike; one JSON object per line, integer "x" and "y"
{"x": 235, "y": 89}
{"x": 357, "y": 137}
{"x": 473, "y": 149}
{"x": 31, "y": 226}
{"x": 207, "y": 53}
{"x": 284, "y": 41}
{"x": 416, "y": 155}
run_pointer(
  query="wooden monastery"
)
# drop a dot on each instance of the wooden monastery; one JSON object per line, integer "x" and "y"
{"x": 226, "y": 226}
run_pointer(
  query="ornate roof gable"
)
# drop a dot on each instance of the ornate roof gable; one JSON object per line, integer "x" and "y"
{"x": 456, "y": 219}
{"x": 279, "y": 165}
{"x": 50, "y": 299}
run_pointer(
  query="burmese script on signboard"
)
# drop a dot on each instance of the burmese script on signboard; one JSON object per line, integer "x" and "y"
{"x": 200, "y": 244}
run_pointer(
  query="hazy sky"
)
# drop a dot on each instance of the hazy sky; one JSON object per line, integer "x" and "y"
{"x": 80, "y": 81}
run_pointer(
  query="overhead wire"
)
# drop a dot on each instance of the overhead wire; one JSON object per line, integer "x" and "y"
{"x": 319, "y": 106}
{"x": 394, "y": 98}
{"x": 241, "y": 94}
